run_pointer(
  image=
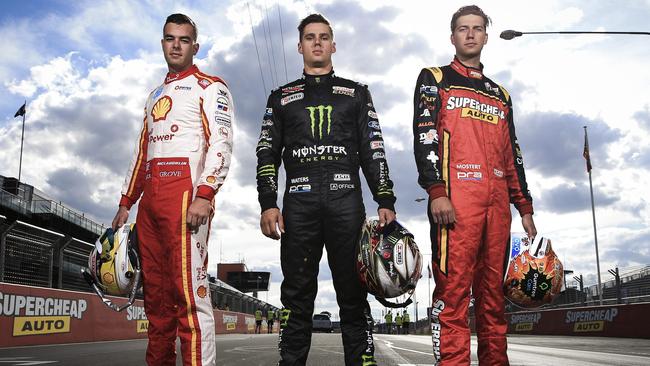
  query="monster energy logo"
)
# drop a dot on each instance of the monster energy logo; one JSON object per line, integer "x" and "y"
{"x": 321, "y": 117}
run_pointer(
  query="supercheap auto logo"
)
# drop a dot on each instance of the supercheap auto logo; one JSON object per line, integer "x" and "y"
{"x": 590, "y": 320}
{"x": 40, "y": 315}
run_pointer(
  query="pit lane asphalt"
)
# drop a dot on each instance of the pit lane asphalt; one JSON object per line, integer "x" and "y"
{"x": 327, "y": 350}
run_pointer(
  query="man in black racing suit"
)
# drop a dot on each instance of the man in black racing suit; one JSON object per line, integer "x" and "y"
{"x": 323, "y": 127}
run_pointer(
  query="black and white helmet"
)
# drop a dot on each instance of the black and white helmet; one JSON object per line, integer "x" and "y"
{"x": 388, "y": 261}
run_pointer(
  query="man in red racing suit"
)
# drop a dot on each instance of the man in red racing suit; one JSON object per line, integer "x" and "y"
{"x": 470, "y": 164}
{"x": 181, "y": 160}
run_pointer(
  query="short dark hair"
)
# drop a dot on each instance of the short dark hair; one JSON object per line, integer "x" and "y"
{"x": 313, "y": 18}
{"x": 179, "y": 19}
{"x": 469, "y": 10}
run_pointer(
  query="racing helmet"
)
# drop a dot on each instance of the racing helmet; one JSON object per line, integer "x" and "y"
{"x": 534, "y": 277}
{"x": 388, "y": 261}
{"x": 114, "y": 266}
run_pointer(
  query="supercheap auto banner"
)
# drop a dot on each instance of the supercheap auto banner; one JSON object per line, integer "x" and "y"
{"x": 32, "y": 315}
{"x": 35, "y": 316}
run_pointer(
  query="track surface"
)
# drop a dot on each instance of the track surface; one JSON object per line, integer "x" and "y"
{"x": 398, "y": 350}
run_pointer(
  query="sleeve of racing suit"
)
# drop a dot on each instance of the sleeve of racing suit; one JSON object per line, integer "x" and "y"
{"x": 517, "y": 186}
{"x": 217, "y": 117}
{"x": 426, "y": 105}
{"x": 372, "y": 154}
{"x": 134, "y": 181}
{"x": 269, "y": 157}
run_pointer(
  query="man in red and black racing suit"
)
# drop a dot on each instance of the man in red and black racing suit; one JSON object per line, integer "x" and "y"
{"x": 180, "y": 162}
{"x": 471, "y": 166}
{"x": 323, "y": 128}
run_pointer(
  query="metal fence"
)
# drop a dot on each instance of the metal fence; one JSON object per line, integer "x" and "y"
{"x": 74, "y": 257}
{"x": 27, "y": 254}
{"x": 30, "y": 255}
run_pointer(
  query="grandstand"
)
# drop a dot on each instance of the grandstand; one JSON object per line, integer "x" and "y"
{"x": 43, "y": 243}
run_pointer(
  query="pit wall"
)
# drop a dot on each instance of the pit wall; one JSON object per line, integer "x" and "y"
{"x": 36, "y": 316}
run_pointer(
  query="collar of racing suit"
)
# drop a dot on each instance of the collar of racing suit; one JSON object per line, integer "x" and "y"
{"x": 467, "y": 71}
{"x": 318, "y": 79}
{"x": 173, "y": 76}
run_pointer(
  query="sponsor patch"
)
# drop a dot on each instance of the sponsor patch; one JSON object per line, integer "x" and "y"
{"x": 378, "y": 155}
{"x": 202, "y": 292}
{"x": 341, "y": 177}
{"x": 343, "y": 91}
{"x": 425, "y": 124}
{"x": 373, "y": 124}
{"x": 376, "y": 145}
{"x": 183, "y": 88}
{"x": 432, "y": 157}
{"x": 299, "y": 180}
{"x": 374, "y": 134}
{"x": 372, "y": 114}
{"x": 498, "y": 173}
{"x": 223, "y": 132}
{"x": 429, "y": 90}
{"x": 429, "y": 137}
{"x": 337, "y": 186}
{"x": 300, "y": 188}
{"x": 293, "y": 89}
{"x": 267, "y": 122}
{"x": 269, "y": 112}
{"x": 469, "y": 176}
{"x": 291, "y": 98}
{"x": 222, "y": 104}
{"x": 161, "y": 109}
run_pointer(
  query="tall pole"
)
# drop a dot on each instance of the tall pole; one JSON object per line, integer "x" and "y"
{"x": 22, "y": 139}
{"x": 593, "y": 215}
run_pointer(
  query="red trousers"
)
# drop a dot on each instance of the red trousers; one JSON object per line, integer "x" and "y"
{"x": 174, "y": 261}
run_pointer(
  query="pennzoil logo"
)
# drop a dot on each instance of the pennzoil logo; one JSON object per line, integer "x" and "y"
{"x": 162, "y": 107}
{"x": 324, "y": 113}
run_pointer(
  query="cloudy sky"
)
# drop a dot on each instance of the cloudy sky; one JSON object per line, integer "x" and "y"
{"x": 86, "y": 67}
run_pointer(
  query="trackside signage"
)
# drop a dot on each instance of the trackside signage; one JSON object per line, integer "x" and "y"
{"x": 40, "y": 315}
{"x": 626, "y": 320}
{"x": 37, "y": 316}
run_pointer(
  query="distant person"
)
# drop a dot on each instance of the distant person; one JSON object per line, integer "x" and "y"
{"x": 323, "y": 128}
{"x": 471, "y": 166}
{"x": 406, "y": 322}
{"x": 258, "y": 321}
{"x": 181, "y": 160}
{"x": 398, "y": 322}
{"x": 270, "y": 318}
{"x": 389, "y": 322}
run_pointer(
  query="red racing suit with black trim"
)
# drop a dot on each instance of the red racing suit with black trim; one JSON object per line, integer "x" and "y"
{"x": 466, "y": 149}
{"x": 323, "y": 128}
{"x": 183, "y": 152}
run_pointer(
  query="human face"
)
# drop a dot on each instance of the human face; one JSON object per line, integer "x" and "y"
{"x": 469, "y": 37}
{"x": 178, "y": 46}
{"x": 317, "y": 46}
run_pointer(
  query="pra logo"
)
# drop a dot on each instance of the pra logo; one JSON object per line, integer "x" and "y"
{"x": 322, "y": 110}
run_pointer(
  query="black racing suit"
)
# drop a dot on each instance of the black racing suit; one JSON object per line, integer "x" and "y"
{"x": 323, "y": 127}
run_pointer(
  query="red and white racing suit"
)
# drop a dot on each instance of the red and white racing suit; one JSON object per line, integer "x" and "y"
{"x": 183, "y": 152}
{"x": 466, "y": 149}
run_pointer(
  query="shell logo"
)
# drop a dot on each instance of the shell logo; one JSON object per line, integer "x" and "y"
{"x": 161, "y": 108}
{"x": 108, "y": 278}
{"x": 202, "y": 291}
